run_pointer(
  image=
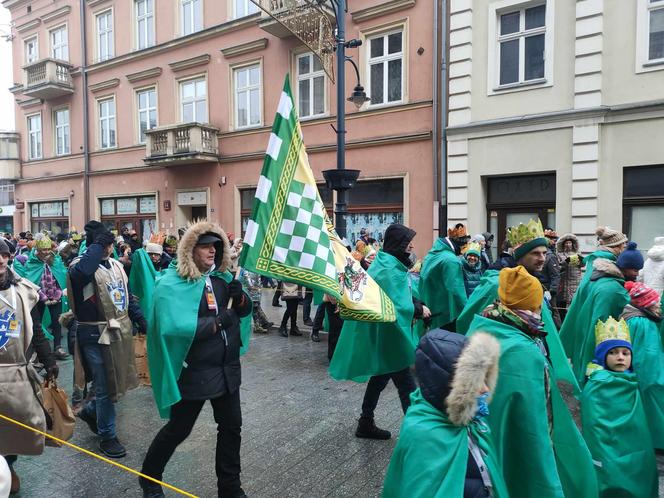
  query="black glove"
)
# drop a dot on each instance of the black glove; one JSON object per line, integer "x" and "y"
{"x": 225, "y": 319}
{"x": 104, "y": 239}
{"x": 52, "y": 371}
{"x": 235, "y": 289}
{"x": 142, "y": 325}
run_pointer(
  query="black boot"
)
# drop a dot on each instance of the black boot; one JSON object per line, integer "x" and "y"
{"x": 295, "y": 331}
{"x": 151, "y": 489}
{"x": 283, "y": 331}
{"x": 366, "y": 428}
{"x": 314, "y": 336}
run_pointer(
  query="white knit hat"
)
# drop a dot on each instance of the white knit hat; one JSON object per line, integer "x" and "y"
{"x": 153, "y": 248}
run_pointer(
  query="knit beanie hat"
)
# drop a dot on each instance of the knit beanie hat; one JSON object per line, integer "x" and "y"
{"x": 92, "y": 229}
{"x": 4, "y": 247}
{"x": 518, "y": 289}
{"x": 641, "y": 295}
{"x": 630, "y": 258}
{"x": 152, "y": 248}
{"x": 610, "y": 238}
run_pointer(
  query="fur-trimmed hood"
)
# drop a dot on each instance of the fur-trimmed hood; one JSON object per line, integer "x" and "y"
{"x": 560, "y": 245}
{"x": 452, "y": 369}
{"x": 605, "y": 268}
{"x": 185, "y": 264}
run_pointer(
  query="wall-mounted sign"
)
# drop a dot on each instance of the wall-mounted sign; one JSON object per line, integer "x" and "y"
{"x": 192, "y": 198}
{"x": 167, "y": 205}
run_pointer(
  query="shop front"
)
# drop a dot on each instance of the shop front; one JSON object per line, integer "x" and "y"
{"x": 133, "y": 212}
{"x": 52, "y": 216}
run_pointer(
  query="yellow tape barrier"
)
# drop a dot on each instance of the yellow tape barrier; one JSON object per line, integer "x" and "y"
{"x": 99, "y": 457}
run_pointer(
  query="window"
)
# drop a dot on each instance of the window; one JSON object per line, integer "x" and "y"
{"x": 643, "y": 203}
{"x": 62, "y": 143}
{"x": 191, "y": 16}
{"x": 247, "y": 82}
{"x": 310, "y": 86}
{"x": 521, "y": 45}
{"x": 34, "y": 137}
{"x": 144, "y": 11}
{"x": 243, "y": 8}
{"x": 59, "y": 44}
{"x": 374, "y": 205}
{"x": 193, "y": 101}
{"x": 52, "y": 216}
{"x": 147, "y": 111}
{"x": 104, "y": 23}
{"x": 137, "y": 213}
{"x": 6, "y": 193}
{"x": 107, "y": 138}
{"x": 31, "y": 49}
{"x": 656, "y": 30}
{"x": 386, "y": 68}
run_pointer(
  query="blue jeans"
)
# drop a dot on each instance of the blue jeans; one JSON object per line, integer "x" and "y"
{"x": 101, "y": 407}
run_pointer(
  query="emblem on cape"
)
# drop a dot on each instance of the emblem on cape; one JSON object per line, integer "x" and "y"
{"x": 353, "y": 280}
{"x": 6, "y": 330}
{"x": 118, "y": 295}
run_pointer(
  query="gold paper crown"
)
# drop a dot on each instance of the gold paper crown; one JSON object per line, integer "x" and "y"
{"x": 171, "y": 241}
{"x": 158, "y": 238}
{"x": 457, "y": 232}
{"x": 611, "y": 330}
{"x": 522, "y": 234}
{"x": 473, "y": 246}
{"x": 43, "y": 242}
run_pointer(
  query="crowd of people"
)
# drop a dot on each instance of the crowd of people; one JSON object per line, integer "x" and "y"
{"x": 478, "y": 352}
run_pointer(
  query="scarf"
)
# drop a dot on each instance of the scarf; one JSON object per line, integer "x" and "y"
{"x": 526, "y": 321}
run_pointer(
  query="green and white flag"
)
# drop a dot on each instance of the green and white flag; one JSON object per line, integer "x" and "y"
{"x": 289, "y": 236}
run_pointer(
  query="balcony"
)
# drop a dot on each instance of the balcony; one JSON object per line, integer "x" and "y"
{"x": 47, "y": 79}
{"x": 186, "y": 143}
{"x": 281, "y": 10}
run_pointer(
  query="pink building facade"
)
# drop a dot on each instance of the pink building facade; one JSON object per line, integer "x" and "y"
{"x": 180, "y": 98}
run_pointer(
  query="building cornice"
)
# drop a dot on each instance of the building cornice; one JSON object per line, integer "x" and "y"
{"x": 381, "y": 9}
{"x": 94, "y": 3}
{"x": 143, "y": 75}
{"x": 16, "y": 88}
{"x": 28, "y": 25}
{"x": 24, "y": 104}
{"x": 199, "y": 60}
{"x": 217, "y": 30}
{"x": 62, "y": 11}
{"x": 104, "y": 85}
{"x": 244, "y": 48}
{"x": 10, "y": 4}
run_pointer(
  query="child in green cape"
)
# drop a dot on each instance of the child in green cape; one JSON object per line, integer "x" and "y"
{"x": 444, "y": 448}
{"x": 613, "y": 420}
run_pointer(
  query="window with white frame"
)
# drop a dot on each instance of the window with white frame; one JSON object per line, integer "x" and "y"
{"x": 310, "y": 86}
{"x": 655, "y": 30}
{"x": 385, "y": 68}
{"x": 193, "y": 101}
{"x": 107, "y": 133}
{"x": 34, "y": 136}
{"x": 144, "y": 12}
{"x": 191, "y": 16}
{"x": 104, "y": 22}
{"x": 59, "y": 43}
{"x": 31, "y": 49}
{"x": 62, "y": 140}
{"x": 521, "y": 45}
{"x": 247, "y": 82}
{"x": 147, "y": 111}
{"x": 243, "y": 8}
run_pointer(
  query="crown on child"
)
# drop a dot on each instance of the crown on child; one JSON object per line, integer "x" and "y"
{"x": 42, "y": 241}
{"x": 611, "y": 329}
{"x": 522, "y": 234}
{"x": 473, "y": 247}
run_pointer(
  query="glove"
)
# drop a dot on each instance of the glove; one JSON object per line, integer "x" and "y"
{"x": 225, "y": 319}
{"x": 104, "y": 239}
{"x": 52, "y": 371}
{"x": 142, "y": 325}
{"x": 235, "y": 289}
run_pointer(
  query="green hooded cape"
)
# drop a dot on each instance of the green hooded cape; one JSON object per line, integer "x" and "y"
{"x": 431, "y": 456}
{"x": 441, "y": 284}
{"x": 172, "y": 320}
{"x": 590, "y": 259}
{"x": 33, "y": 270}
{"x": 141, "y": 278}
{"x": 369, "y": 348}
{"x": 594, "y": 300}
{"x": 612, "y": 419}
{"x": 519, "y": 427}
{"x": 486, "y": 294}
{"x": 648, "y": 363}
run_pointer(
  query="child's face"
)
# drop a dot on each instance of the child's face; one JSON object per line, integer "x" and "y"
{"x": 619, "y": 359}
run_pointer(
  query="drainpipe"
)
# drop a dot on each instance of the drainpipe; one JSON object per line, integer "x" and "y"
{"x": 86, "y": 115}
{"x": 436, "y": 109}
{"x": 442, "y": 217}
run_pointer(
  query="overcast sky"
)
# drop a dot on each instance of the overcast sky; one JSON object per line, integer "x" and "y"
{"x": 6, "y": 78}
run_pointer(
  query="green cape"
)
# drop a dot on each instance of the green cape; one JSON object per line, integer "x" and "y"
{"x": 612, "y": 419}
{"x": 33, "y": 270}
{"x": 594, "y": 300}
{"x": 370, "y": 348}
{"x": 588, "y": 262}
{"x": 141, "y": 278}
{"x": 486, "y": 294}
{"x": 441, "y": 284}
{"x": 519, "y": 428}
{"x": 648, "y": 363}
{"x": 419, "y": 328}
{"x": 172, "y": 320}
{"x": 431, "y": 456}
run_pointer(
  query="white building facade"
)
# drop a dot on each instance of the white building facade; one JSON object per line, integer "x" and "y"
{"x": 556, "y": 110}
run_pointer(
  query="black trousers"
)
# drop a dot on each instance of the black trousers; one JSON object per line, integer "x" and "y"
{"x": 291, "y": 312}
{"x": 404, "y": 382}
{"x": 336, "y": 324}
{"x": 277, "y": 295}
{"x": 54, "y": 310}
{"x": 227, "y": 415}
{"x": 319, "y": 317}
{"x": 306, "y": 304}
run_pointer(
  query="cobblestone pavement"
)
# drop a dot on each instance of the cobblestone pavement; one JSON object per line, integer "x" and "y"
{"x": 298, "y": 439}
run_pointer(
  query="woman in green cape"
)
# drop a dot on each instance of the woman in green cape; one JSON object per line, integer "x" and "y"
{"x": 444, "y": 447}
{"x": 644, "y": 317}
{"x": 380, "y": 352}
{"x": 612, "y": 417}
{"x": 538, "y": 447}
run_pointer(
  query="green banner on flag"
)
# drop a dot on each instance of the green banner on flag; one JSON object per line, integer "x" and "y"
{"x": 289, "y": 236}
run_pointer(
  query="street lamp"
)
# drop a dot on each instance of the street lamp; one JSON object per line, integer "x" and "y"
{"x": 359, "y": 97}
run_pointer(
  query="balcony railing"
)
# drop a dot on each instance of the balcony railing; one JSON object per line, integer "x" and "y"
{"x": 47, "y": 79}
{"x": 185, "y": 143}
